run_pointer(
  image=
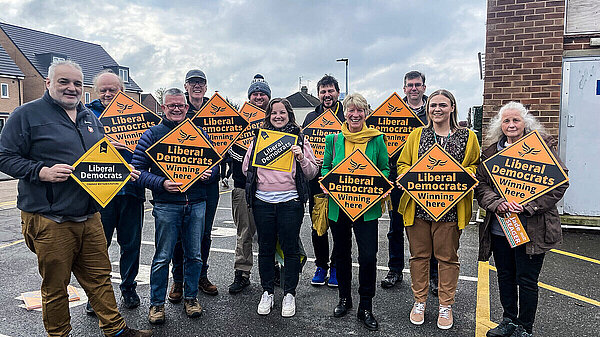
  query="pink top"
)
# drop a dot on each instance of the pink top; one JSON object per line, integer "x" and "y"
{"x": 279, "y": 181}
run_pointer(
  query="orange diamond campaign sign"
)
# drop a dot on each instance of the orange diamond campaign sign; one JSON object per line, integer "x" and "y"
{"x": 437, "y": 182}
{"x": 325, "y": 124}
{"x": 394, "y": 118}
{"x": 356, "y": 184}
{"x": 221, "y": 121}
{"x": 255, "y": 116}
{"x": 101, "y": 171}
{"x": 184, "y": 154}
{"x": 272, "y": 150}
{"x": 525, "y": 170}
{"x": 125, "y": 120}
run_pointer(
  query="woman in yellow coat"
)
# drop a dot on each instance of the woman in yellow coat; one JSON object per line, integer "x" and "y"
{"x": 424, "y": 234}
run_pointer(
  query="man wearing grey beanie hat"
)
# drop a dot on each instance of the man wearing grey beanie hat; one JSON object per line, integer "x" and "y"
{"x": 259, "y": 94}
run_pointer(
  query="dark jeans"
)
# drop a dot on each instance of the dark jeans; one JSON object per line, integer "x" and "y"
{"x": 365, "y": 233}
{"x": 280, "y": 221}
{"x": 211, "y": 209}
{"x": 396, "y": 239}
{"x": 517, "y": 269}
{"x": 125, "y": 214}
{"x": 321, "y": 244}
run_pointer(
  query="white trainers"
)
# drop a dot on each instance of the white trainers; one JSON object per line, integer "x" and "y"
{"x": 266, "y": 304}
{"x": 288, "y": 306}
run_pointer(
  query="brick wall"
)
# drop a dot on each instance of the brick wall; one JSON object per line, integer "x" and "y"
{"x": 523, "y": 58}
{"x": 15, "y": 93}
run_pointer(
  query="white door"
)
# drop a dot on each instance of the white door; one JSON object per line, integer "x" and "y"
{"x": 580, "y": 134}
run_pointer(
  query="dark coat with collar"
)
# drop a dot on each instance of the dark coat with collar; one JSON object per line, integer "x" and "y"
{"x": 543, "y": 220}
{"x": 41, "y": 134}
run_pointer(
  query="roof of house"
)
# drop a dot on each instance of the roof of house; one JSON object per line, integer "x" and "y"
{"x": 35, "y": 44}
{"x": 8, "y": 66}
{"x": 303, "y": 100}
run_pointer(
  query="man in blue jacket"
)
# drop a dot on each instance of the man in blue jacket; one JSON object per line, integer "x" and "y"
{"x": 175, "y": 213}
{"x": 125, "y": 211}
{"x": 61, "y": 223}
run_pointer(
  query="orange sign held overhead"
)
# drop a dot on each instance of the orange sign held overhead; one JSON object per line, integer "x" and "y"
{"x": 394, "y": 118}
{"x": 325, "y": 124}
{"x": 221, "y": 121}
{"x": 184, "y": 154}
{"x": 255, "y": 116}
{"x": 101, "y": 171}
{"x": 125, "y": 120}
{"x": 356, "y": 184}
{"x": 437, "y": 182}
{"x": 525, "y": 170}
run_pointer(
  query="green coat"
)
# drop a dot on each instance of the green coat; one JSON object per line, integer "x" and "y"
{"x": 376, "y": 151}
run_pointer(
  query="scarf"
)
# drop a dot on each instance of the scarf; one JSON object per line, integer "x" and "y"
{"x": 358, "y": 140}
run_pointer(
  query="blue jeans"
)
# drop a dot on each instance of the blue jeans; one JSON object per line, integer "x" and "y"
{"x": 170, "y": 220}
{"x": 211, "y": 209}
{"x": 280, "y": 221}
{"x": 125, "y": 214}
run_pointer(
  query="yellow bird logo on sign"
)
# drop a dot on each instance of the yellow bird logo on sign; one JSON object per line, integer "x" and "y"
{"x": 528, "y": 150}
{"x": 184, "y": 136}
{"x": 391, "y": 109}
{"x": 215, "y": 108}
{"x": 356, "y": 166}
{"x": 435, "y": 162}
{"x": 123, "y": 107}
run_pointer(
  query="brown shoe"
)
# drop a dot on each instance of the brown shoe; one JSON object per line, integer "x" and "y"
{"x": 207, "y": 287}
{"x": 176, "y": 292}
{"x": 417, "y": 314}
{"x": 156, "y": 314}
{"x": 127, "y": 332}
{"x": 192, "y": 308}
{"x": 445, "y": 320}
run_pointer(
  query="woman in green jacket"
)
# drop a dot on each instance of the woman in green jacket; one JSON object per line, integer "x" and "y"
{"x": 424, "y": 234}
{"x": 356, "y": 135}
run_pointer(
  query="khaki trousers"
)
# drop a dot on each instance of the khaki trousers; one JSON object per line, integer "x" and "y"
{"x": 244, "y": 221}
{"x": 443, "y": 237}
{"x": 78, "y": 247}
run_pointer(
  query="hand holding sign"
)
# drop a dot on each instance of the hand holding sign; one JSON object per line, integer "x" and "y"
{"x": 56, "y": 174}
{"x": 297, "y": 151}
{"x": 171, "y": 186}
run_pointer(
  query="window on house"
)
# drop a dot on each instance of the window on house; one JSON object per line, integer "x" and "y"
{"x": 57, "y": 58}
{"x": 124, "y": 75}
{"x": 87, "y": 98}
{"x": 4, "y": 90}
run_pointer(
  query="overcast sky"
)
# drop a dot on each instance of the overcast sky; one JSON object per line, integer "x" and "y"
{"x": 233, "y": 40}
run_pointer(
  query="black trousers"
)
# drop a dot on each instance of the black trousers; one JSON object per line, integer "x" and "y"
{"x": 365, "y": 233}
{"x": 280, "y": 221}
{"x": 518, "y": 275}
{"x": 320, "y": 243}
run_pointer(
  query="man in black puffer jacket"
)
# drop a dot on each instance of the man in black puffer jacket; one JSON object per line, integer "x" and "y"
{"x": 175, "y": 212}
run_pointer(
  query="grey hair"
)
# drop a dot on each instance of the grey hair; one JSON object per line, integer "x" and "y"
{"x": 54, "y": 64}
{"x": 172, "y": 92}
{"x": 494, "y": 131}
{"x": 107, "y": 71}
{"x": 358, "y": 101}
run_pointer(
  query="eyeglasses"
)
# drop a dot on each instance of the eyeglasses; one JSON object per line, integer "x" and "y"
{"x": 173, "y": 106}
{"x": 197, "y": 82}
{"x": 416, "y": 85}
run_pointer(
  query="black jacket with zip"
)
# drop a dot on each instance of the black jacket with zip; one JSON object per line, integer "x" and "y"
{"x": 41, "y": 134}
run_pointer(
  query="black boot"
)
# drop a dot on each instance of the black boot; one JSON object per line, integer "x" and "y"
{"x": 504, "y": 329}
{"x": 239, "y": 282}
{"x": 342, "y": 308}
{"x": 366, "y": 316}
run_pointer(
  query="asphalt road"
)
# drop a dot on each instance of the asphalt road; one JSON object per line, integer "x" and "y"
{"x": 569, "y": 306}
